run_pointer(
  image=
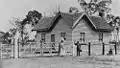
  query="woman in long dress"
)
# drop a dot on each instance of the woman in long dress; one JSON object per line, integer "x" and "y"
{"x": 61, "y": 48}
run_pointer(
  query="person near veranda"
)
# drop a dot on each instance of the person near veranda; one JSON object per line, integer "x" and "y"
{"x": 78, "y": 48}
{"x": 61, "y": 50}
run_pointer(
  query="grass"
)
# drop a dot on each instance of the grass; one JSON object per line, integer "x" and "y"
{"x": 60, "y": 62}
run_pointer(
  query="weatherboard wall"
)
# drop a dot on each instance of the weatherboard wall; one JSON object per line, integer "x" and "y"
{"x": 60, "y": 26}
{"x": 90, "y": 34}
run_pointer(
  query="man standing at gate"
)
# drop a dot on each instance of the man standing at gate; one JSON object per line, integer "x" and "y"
{"x": 78, "y": 48}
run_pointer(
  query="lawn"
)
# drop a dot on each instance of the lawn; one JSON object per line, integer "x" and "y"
{"x": 64, "y": 62}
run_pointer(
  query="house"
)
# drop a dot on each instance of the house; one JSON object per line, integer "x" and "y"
{"x": 51, "y": 29}
{"x": 73, "y": 27}
{"x": 91, "y": 29}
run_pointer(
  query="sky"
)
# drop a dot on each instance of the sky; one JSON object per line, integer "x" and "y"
{"x": 10, "y": 9}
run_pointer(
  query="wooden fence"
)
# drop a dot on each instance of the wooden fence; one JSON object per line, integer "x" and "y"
{"x": 6, "y": 51}
{"x": 33, "y": 49}
{"x": 99, "y": 49}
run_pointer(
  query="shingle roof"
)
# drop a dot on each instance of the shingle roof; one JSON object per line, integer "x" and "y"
{"x": 70, "y": 18}
{"x": 43, "y": 23}
{"x": 100, "y": 23}
{"x": 47, "y": 22}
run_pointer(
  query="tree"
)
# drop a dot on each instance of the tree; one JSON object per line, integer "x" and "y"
{"x": 100, "y": 6}
{"x": 6, "y": 38}
{"x": 32, "y": 18}
{"x": 12, "y": 31}
{"x": 73, "y": 10}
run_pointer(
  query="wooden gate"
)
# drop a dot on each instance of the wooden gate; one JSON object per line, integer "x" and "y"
{"x": 33, "y": 49}
{"x": 6, "y": 51}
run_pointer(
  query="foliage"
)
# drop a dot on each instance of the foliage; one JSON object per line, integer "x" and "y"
{"x": 6, "y": 38}
{"x": 113, "y": 20}
{"x": 32, "y": 18}
{"x": 100, "y": 6}
{"x": 73, "y": 10}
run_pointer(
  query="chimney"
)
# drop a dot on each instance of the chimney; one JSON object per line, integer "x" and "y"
{"x": 73, "y": 10}
{"x": 101, "y": 13}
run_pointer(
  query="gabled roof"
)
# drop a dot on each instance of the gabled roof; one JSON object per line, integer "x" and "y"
{"x": 47, "y": 22}
{"x": 71, "y": 18}
{"x": 43, "y": 23}
{"x": 98, "y": 23}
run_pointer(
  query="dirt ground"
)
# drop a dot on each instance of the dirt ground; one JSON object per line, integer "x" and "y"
{"x": 63, "y": 62}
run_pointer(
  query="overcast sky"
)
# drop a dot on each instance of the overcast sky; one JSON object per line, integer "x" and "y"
{"x": 19, "y": 8}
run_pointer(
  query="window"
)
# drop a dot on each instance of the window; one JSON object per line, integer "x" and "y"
{"x": 63, "y": 34}
{"x": 52, "y": 37}
{"x": 43, "y": 37}
{"x": 82, "y": 36}
{"x": 100, "y": 36}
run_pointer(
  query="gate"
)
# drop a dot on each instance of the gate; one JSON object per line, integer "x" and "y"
{"x": 33, "y": 49}
{"x": 6, "y": 51}
{"x": 69, "y": 49}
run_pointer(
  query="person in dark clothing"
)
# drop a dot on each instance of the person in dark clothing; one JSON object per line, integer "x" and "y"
{"x": 110, "y": 52}
{"x": 78, "y": 48}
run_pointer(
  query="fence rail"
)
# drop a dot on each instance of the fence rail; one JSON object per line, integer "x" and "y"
{"x": 6, "y": 51}
{"x": 41, "y": 49}
{"x": 99, "y": 48}
{"x": 33, "y": 49}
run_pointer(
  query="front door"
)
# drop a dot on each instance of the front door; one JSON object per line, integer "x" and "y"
{"x": 53, "y": 38}
{"x": 53, "y": 41}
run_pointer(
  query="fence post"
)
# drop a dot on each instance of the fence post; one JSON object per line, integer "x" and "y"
{"x": 103, "y": 48}
{"x": 115, "y": 48}
{"x": 13, "y": 48}
{"x": 30, "y": 49}
{"x": 89, "y": 48}
{"x": 1, "y": 50}
{"x": 18, "y": 48}
{"x": 41, "y": 45}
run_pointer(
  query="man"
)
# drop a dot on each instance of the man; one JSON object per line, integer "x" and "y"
{"x": 78, "y": 48}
